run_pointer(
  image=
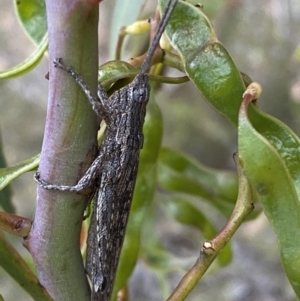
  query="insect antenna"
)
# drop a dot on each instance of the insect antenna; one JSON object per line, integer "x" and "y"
{"x": 161, "y": 27}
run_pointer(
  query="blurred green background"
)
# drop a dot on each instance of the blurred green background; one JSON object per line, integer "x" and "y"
{"x": 262, "y": 37}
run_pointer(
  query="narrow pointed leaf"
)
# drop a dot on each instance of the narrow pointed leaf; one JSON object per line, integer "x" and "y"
{"x": 220, "y": 183}
{"x": 16, "y": 267}
{"x": 6, "y": 193}
{"x": 29, "y": 63}
{"x": 8, "y": 174}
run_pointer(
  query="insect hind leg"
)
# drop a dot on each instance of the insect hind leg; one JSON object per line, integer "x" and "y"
{"x": 86, "y": 181}
{"x": 76, "y": 188}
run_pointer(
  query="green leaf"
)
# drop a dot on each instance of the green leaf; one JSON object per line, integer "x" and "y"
{"x": 206, "y": 61}
{"x": 16, "y": 267}
{"x": 282, "y": 138}
{"x": 8, "y": 174}
{"x": 187, "y": 214}
{"x": 112, "y": 71}
{"x": 29, "y": 63}
{"x": 161, "y": 262}
{"x": 5, "y": 194}
{"x": 156, "y": 257}
{"x": 178, "y": 173}
{"x": 32, "y": 16}
{"x": 270, "y": 167}
{"x": 174, "y": 181}
{"x": 219, "y": 183}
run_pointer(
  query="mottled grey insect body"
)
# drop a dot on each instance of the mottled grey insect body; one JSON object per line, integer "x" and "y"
{"x": 120, "y": 150}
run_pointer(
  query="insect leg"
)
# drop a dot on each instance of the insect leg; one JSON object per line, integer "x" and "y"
{"x": 97, "y": 106}
{"x": 84, "y": 182}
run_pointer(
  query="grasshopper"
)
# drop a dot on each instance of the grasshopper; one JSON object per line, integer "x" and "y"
{"x": 113, "y": 173}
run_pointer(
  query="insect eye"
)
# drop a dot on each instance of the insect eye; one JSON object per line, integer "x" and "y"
{"x": 140, "y": 94}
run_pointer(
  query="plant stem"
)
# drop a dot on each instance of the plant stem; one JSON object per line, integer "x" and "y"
{"x": 69, "y": 147}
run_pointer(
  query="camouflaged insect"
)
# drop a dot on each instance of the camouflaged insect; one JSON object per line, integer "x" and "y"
{"x": 114, "y": 171}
